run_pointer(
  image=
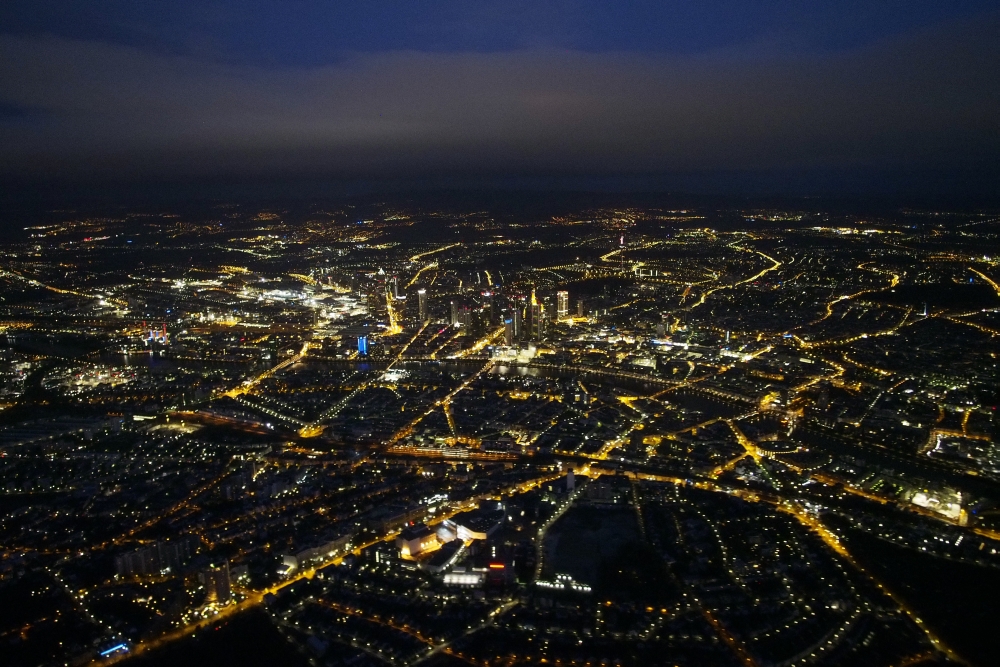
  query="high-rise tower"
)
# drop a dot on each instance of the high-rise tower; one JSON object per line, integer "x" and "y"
{"x": 562, "y": 304}
{"x": 422, "y": 305}
{"x": 535, "y": 312}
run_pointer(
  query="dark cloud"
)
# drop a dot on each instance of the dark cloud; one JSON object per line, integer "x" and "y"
{"x": 318, "y": 32}
{"x": 117, "y": 112}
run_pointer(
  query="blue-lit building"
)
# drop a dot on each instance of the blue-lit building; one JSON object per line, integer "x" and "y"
{"x": 363, "y": 345}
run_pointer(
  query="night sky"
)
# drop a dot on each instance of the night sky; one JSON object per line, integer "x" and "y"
{"x": 132, "y": 91}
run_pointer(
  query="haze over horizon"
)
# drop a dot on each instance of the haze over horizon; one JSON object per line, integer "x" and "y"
{"x": 838, "y": 98}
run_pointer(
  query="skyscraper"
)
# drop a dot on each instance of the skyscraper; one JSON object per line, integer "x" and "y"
{"x": 518, "y": 324}
{"x": 422, "y": 305}
{"x": 536, "y": 320}
{"x": 508, "y": 332}
{"x": 562, "y": 304}
{"x": 534, "y": 317}
{"x": 454, "y": 313}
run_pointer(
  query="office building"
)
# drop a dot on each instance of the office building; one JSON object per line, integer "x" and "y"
{"x": 562, "y": 304}
{"x": 422, "y": 305}
{"x": 537, "y": 315}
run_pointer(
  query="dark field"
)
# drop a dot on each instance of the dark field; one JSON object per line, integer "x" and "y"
{"x": 960, "y": 602}
{"x": 248, "y": 640}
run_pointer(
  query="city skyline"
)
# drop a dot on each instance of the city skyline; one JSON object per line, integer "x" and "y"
{"x": 647, "y": 333}
{"x": 390, "y": 433}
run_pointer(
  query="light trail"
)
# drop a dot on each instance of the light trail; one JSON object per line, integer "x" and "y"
{"x": 394, "y": 327}
{"x": 732, "y": 642}
{"x": 836, "y": 342}
{"x": 446, "y": 407}
{"x": 59, "y": 290}
{"x": 895, "y": 278}
{"x": 775, "y": 264}
{"x": 455, "y": 334}
{"x": 416, "y": 276}
{"x": 873, "y": 369}
{"x": 430, "y": 265}
{"x": 490, "y": 620}
{"x": 540, "y": 537}
{"x": 996, "y": 288}
{"x": 316, "y": 428}
{"x": 248, "y": 385}
{"x": 834, "y": 543}
{"x": 406, "y": 430}
{"x": 974, "y": 325}
{"x": 480, "y": 344}
{"x": 416, "y": 257}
